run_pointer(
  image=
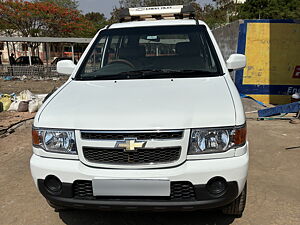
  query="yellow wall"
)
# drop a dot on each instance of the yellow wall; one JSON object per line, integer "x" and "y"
{"x": 258, "y": 54}
{"x": 274, "y": 99}
{"x": 273, "y": 52}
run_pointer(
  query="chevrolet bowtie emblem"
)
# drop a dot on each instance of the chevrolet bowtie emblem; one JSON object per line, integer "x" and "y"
{"x": 130, "y": 144}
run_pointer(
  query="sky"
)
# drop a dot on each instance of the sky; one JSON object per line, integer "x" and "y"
{"x": 106, "y": 6}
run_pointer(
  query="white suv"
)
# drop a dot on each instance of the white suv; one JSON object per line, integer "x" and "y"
{"x": 149, "y": 119}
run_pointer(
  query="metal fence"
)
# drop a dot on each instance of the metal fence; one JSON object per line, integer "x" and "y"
{"x": 29, "y": 71}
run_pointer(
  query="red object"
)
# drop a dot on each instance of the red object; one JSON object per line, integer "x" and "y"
{"x": 297, "y": 72}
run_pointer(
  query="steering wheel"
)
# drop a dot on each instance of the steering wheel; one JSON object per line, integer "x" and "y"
{"x": 122, "y": 61}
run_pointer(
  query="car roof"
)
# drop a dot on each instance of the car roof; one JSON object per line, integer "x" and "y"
{"x": 156, "y": 23}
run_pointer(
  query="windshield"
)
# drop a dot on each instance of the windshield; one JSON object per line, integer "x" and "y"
{"x": 151, "y": 52}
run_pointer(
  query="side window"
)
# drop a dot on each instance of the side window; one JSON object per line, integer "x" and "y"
{"x": 94, "y": 62}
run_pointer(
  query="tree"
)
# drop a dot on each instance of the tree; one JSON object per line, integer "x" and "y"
{"x": 98, "y": 19}
{"x": 214, "y": 17}
{"x": 34, "y": 19}
{"x": 222, "y": 3}
{"x": 70, "y": 4}
{"x": 270, "y": 9}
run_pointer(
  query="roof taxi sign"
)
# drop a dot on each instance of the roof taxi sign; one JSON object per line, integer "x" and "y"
{"x": 157, "y": 12}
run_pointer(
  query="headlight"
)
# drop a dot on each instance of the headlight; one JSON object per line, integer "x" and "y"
{"x": 59, "y": 141}
{"x": 216, "y": 140}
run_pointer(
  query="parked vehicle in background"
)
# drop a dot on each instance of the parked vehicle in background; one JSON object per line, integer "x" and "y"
{"x": 24, "y": 61}
{"x": 149, "y": 120}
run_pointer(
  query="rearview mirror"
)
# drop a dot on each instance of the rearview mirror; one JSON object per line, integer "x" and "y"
{"x": 236, "y": 62}
{"x": 65, "y": 67}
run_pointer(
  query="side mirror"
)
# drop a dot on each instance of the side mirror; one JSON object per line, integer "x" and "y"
{"x": 236, "y": 62}
{"x": 65, "y": 67}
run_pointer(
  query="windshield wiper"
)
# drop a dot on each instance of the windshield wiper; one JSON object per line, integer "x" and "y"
{"x": 154, "y": 73}
{"x": 135, "y": 74}
{"x": 119, "y": 76}
{"x": 169, "y": 73}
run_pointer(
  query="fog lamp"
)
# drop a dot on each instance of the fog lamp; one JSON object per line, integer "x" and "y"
{"x": 53, "y": 184}
{"x": 217, "y": 186}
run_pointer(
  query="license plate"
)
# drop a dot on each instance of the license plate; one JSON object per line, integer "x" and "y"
{"x": 120, "y": 187}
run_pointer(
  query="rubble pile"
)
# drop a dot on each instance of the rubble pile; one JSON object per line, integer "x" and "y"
{"x": 23, "y": 102}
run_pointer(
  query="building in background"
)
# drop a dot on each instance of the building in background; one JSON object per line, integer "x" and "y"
{"x": 54, "y": 50}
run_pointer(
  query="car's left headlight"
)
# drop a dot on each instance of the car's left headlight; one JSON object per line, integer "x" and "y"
{"x": 53, "y": 140}
{"x": 216, "y": 140}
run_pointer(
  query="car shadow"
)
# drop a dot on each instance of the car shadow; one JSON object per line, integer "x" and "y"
{"x": 76, "y": 217}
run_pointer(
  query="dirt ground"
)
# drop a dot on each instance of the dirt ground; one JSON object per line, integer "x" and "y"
{"x": 8, "y": 119}
{"x": 35, "y": 86}
{"x": 273, "y": 186}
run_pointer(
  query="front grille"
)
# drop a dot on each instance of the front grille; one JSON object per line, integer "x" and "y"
{"x": 156, "y": 135}
{"x": 141, "y": 156}
{"x": 83, "y": 189}
{"x": 180, "y": 191}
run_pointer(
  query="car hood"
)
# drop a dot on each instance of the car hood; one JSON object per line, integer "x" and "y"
{"x": 140, "y": 105}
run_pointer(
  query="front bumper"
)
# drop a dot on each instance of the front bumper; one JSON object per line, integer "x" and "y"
{"x": 197, "y": 172}
{"x": 203, "y": 200}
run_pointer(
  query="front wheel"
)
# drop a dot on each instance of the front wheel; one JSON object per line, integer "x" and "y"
{"x": 236, "y": 208}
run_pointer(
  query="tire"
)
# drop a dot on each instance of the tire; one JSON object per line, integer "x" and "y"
{"x": 236, "y": 208}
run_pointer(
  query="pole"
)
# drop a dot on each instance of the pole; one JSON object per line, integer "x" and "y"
{"x": 8, "y": 51}
{"x": 73, "y": 56}
{"x": 14, "y": 48}
{"x": 49, "y": 50}
{"x": 10, "y": 67}
{"x": 29, "y": 54}
{"x": 46, "y": 50}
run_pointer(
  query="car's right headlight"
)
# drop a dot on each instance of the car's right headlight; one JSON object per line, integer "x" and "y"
{"x": 54, "y": 140}
{"x": 215, "y": 140}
